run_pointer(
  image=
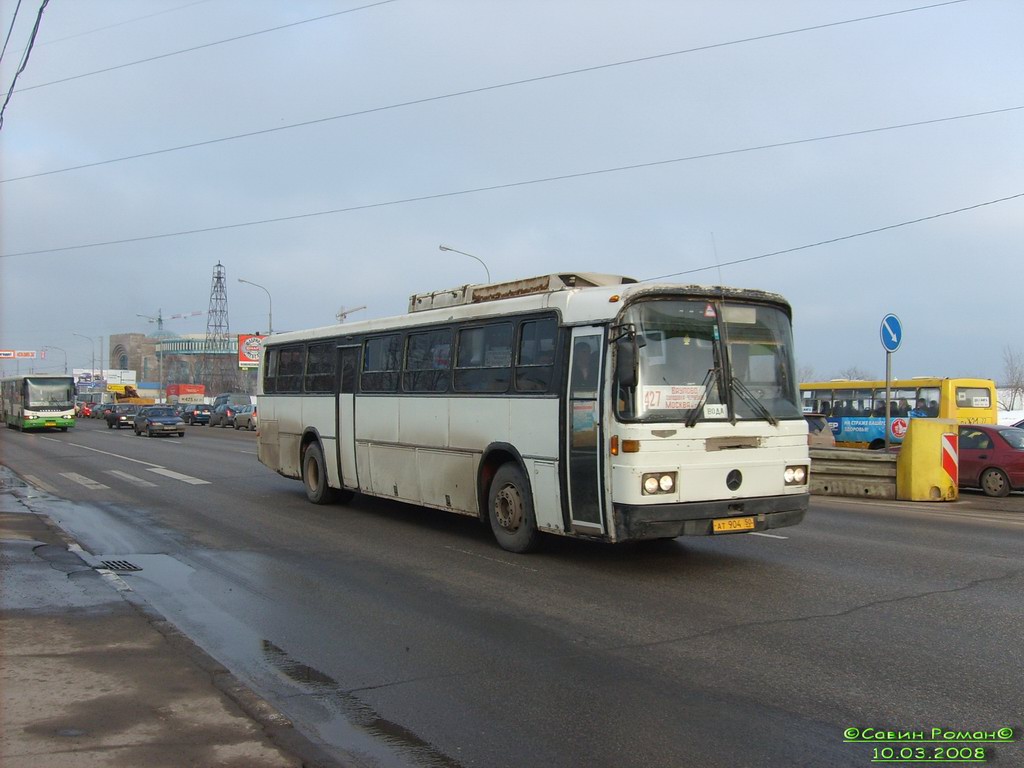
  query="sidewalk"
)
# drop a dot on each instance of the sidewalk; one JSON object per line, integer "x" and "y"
{"x": 89, "y": 677}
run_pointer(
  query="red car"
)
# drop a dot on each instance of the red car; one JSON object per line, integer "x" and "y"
{"x": 992, "y": 458}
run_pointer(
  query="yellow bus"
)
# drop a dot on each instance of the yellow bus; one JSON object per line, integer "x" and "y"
{"x": 856, "y": 409}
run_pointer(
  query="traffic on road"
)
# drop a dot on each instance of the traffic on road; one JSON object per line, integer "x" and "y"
{"x": 363, "y": 620}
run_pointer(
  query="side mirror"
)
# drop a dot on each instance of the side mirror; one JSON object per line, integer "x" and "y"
{"x": 626, "y": 363}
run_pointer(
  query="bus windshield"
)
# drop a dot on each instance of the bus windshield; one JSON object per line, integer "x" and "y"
{"x": 706, "y": 360}
{"x": 51, "y": 393}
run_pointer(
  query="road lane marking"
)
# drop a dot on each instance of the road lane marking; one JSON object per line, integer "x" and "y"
{"x": 147, "y": 464}
{"x": 767, "y": 535}
{"x": 105, "y": 453}
{"x": 92, "y": 485}
{"x": 39, "y": 485}
{"x": 178, "y": 476}
{"x": 131, "y": 478}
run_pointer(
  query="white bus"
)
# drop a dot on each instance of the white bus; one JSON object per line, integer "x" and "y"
{"x": 574, "y": 404}
{"x": 38, "y": 401}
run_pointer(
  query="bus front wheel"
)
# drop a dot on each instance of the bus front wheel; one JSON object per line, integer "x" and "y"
{"x": 314, "y": 475}
{"x": 510, "y": 510}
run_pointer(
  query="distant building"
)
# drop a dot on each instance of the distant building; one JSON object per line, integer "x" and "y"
{"x": 167, "y": 358}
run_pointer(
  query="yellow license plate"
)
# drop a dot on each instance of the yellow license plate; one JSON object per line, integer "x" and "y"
{"x": 51, "y": 424}
{"x": 729, "y": 524}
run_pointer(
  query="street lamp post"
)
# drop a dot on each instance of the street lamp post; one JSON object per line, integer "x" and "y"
{"x": 65, "y": 355}
{"x": 455, "y": 250}
{"x": 92, "y": 351}
{"x": 270, "y": 305}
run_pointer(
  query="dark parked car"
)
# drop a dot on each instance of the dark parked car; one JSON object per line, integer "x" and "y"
{"x": 232, "y": 398}
{"x": 196, "y": 414}
{"x": 121, "y": 415}
{"x": 224, "y": 415}
{"x": 1019, "y": 424}
{"x": 992, "y": 458}
{"x": 158, "y": 420}
{"x": 246, "y": 418}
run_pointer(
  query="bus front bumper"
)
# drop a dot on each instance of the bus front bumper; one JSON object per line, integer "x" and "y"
{"x": 667, "y": 521}
{"x": 47, "y": 423}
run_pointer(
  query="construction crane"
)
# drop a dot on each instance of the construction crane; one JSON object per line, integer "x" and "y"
{"x": 159, "y": 319}
{"x": 343, "y": 313}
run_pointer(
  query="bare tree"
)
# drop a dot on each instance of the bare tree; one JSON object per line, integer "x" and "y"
{"x": 853, "y": 372}
{"x": 805, "y": 373}
{"x": 1013, "y": 377}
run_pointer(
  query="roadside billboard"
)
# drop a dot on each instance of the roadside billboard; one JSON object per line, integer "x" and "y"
{"x": 250, "y": 350}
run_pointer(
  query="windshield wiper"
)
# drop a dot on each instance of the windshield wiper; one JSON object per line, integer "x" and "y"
{"x": 752, "y": 400}
{"x": 691, "y": 420}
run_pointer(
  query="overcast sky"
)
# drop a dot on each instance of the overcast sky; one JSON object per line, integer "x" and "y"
{"x": 738, "y": 130}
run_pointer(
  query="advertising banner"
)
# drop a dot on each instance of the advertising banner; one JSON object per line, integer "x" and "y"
{"x": 187, "y": 389}
{"x": 250, "y": 350}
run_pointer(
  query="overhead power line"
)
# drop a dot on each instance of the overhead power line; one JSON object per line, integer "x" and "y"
{"x": 472, "y": 91}
{"x": 122, "y": 23}
{"x": 10, "y": 29}
{"x": 201, "y": 47}
{"x": 24, "y": 58}
{"x": 837, "y": 239}
{"x": 491, "y": 188}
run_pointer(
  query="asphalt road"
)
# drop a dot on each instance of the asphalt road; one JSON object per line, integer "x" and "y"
{"x": 398, "y": 635}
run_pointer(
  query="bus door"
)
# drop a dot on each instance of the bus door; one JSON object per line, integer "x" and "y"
{"x": 584, "y": 430}
{"x": 348, "y": 367}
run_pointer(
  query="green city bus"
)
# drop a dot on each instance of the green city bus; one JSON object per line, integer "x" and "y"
{"x": 38, "y": 402}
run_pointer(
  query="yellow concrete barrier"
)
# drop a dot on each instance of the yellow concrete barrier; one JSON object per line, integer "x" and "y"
{"x": 928, "y": 460}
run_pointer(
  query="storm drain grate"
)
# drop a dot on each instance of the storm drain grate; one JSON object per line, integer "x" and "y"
{"x": 119, "y": 565}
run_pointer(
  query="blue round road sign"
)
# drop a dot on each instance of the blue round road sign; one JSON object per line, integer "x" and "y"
{"x": 892, "y": 333}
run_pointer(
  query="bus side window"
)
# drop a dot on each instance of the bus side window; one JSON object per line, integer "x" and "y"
{"x": 320, "y": 367}
{"x": 381, "y": 362}
{"x": 289, "y": 369}
{"x": 483, "y": 360}
{"x": 427, "y": 361}
{"x": 270, "y": 371}
{"x": 536, "y": 355}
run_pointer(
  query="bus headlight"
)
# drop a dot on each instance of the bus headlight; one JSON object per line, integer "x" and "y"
{"x": 659, "y": 482}
{"x": 796, "y": 475}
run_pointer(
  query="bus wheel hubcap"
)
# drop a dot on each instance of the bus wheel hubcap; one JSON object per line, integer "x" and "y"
{"x": 508, "y": 508}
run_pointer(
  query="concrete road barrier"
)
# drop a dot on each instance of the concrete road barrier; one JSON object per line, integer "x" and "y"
{"x": 853, "y": 472}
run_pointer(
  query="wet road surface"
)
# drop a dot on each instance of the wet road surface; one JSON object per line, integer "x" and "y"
{"x": 401, "y": 636}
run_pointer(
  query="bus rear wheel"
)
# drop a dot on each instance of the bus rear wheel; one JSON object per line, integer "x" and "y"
{"x": 314, "y": 476}
{"x": 510, "y": 510}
